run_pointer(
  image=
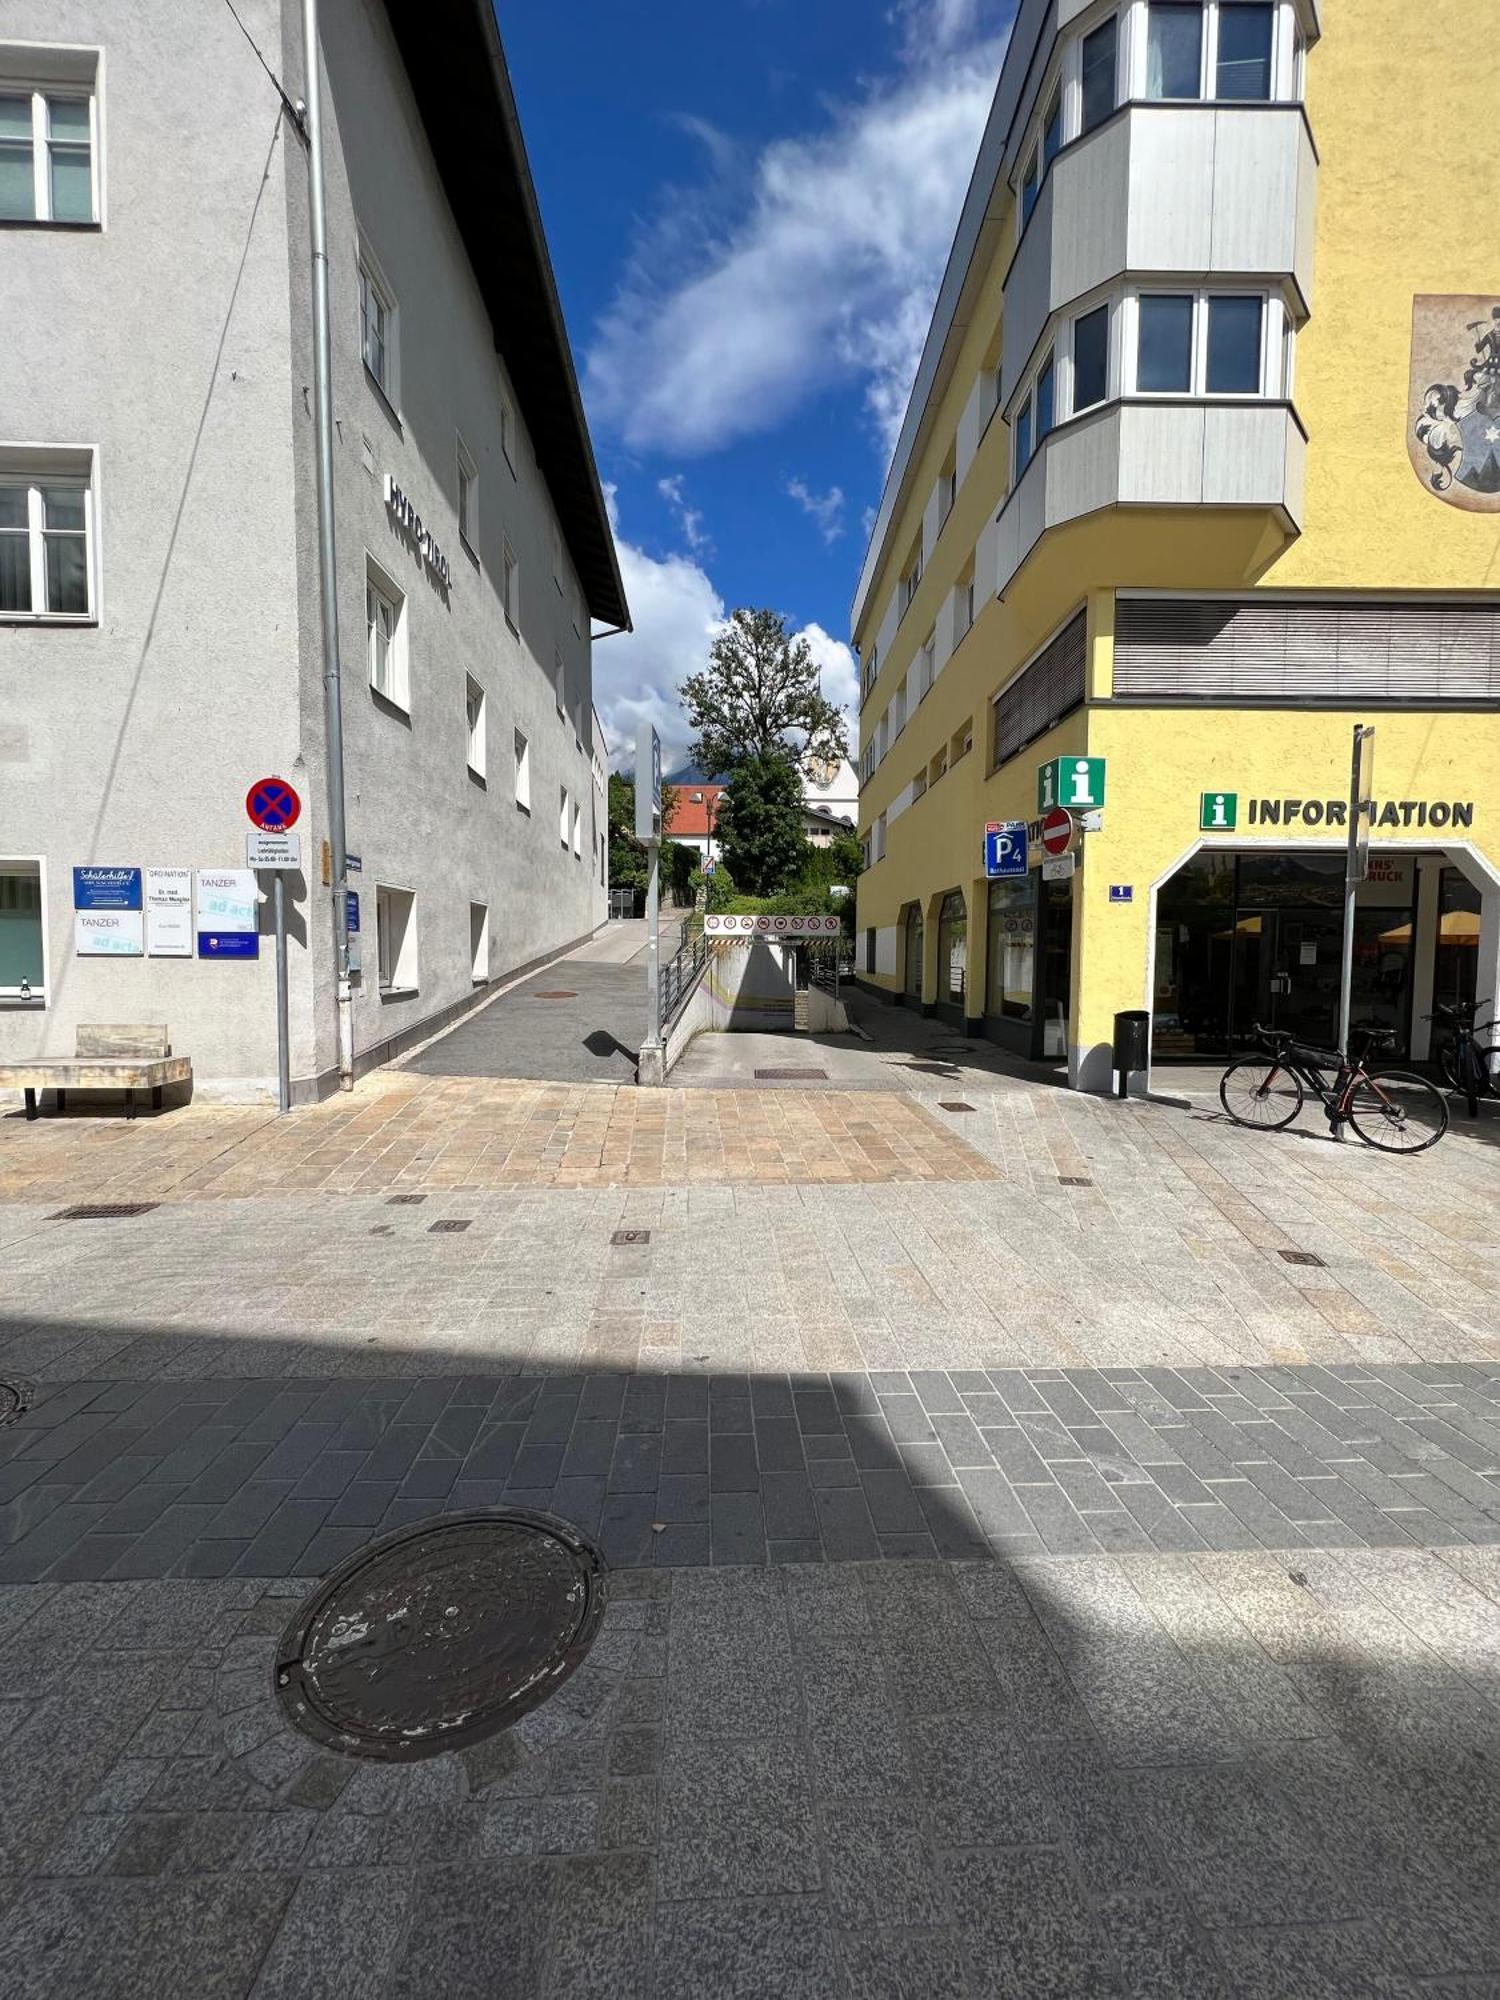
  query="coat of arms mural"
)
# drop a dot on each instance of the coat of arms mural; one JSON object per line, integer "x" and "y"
{"x": 1453, "y": 420}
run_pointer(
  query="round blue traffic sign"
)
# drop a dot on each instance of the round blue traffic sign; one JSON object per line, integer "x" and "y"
{"x": 272, "y": 804}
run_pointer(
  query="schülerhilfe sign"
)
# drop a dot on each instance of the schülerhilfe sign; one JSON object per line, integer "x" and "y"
{"x": 749, "y": 927}
{"x": 1384, "y": 815}
{"x": 411, "y": 520}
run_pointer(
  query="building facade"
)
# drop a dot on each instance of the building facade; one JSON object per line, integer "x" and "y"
{"x": 161, "y": 644}
{"x": 1201, "y": 469}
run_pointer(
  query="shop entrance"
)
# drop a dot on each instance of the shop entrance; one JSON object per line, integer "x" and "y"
{"x": 1242, "y": 938}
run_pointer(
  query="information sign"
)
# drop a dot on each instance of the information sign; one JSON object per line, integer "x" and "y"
{"x": 228, "y": 904}
{"x": 1218, "y": 812}
{"x": 1005, "y": 848}
{"x": 169, "y": 912}
{"x": 106, "y": 888}
{"x": 109, "y": 933}
{"x": 1074, "y": 782}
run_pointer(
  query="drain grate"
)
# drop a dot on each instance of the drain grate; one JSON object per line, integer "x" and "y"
{"x": 405, "y": 1200}
{"x": 102, "y": 1211}
{"x": 1074, "y": 1180}
{"x": 791, "y": 1076}
{"x": 15, "y": 1400}
{"x": 562, "y": 995}
{"x": 449, "y": 1226}
{"x": 955, "y": 1106}
{"x": 625, "y": 1236}
{"x": 441, "y": 1634}
{"x": 1301, "y": 1257}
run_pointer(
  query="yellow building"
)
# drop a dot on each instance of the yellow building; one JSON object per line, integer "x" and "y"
{"x": 1201, "y": 469}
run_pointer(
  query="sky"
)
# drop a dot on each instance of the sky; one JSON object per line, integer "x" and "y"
{"x": 749, "y": 205}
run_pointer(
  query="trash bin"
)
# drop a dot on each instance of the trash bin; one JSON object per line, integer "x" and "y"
{"x": 1132, "y": 1044}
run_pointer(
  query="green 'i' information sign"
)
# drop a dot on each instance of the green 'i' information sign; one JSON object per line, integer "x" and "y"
{"x": 1218, "y": 812}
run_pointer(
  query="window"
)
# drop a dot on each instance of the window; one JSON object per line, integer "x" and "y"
{"x": 1244, "y": 57}
{"x": 1042, "y": 693}
{"x": 385, "y": 633}
{"x": 947, "y": 492}
{"x": 1012, "y": 949}
{"x": 47, "y": 155}
{"x": 479, "y": 943}
{"x": 1090, "y": 358}
{"x": 578, "y": 833}
{"x": 523, "y": 773}
{"x": 474, "y": 713}
{"x": 1234, "y": 343}
{"x": 1046, "y": 399}
{"x": 22, "y": 973}
{"x": 1164, "y": 348}
{"x": 1174, "y": 49}
{"x": 912, "y": 578}
{"x": 46, "y": 536}
{"x": 468, "y": 500}
{"x": 1023, "y": 437}
{"x": 510, "y": 587}
{"x": 1099, "y": 73}
{"x": 1029, "y": 184}
{"x": 396, "y": 939}
{"x": 868, "y": 670}
{"x": 1052, "y": 130}
{"x": 953, "y": 949}
{"x": 563, "y": 818}
{"x": 377, "y": 324}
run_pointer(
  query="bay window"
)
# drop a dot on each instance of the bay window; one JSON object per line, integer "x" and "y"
{"x": 1164, "y": 344}
{"x": 1174, "y": 49}
{"x": 1090, "y": 358}
{"x": 1209, "y": 344}
{"x": 1234, "y": 345}
{"x": 1245, "y": 40}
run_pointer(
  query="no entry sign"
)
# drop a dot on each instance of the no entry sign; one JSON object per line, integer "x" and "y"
{"x": 1057, "y": 831}
{"x": 272, "y": 805}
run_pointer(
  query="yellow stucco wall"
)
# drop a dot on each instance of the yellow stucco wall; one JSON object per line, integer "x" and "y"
{"x": 1396, "y": 217}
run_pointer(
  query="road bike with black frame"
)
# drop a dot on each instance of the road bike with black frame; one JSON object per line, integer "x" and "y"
{"x": 1468, "y": 1065}
{"x": 1394, "y": 1111}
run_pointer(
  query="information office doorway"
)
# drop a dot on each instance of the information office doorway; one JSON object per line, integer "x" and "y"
{"x": 1250, "y": 938}
{"x": 1029, "y": 965}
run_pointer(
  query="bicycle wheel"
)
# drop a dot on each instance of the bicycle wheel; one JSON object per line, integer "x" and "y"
{"x": 1398, "y": 1112}
{"x": 1445, "y": 1055}
{"x": 1260, "y": 1094}
{"x": 1487, "y": 1067}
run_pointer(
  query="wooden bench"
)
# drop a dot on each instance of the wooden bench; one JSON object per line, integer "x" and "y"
{"x": 104, "y": 1058}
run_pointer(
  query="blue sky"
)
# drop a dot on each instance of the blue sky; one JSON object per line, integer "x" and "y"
{"x": 748, "y": 205}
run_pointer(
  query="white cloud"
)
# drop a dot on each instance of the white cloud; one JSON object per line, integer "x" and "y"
{"x": 678, "y": 612}
{"x": 689, "y": 519}
{"x": 822, "y": 272}
{"x": 827, "y": 509}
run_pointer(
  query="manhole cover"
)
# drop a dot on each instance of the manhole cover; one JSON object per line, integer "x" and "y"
{"x": 623, "y": 1236}
{"x": 405, "y": 1200}
{"x": 791, "y": 1076}
{"x": 102, "y": 1211}
{"x": 557, "y": 996}
{"x": 1300, "y": 1257}
{"x": 954, "y": 1106}
{"x": 450, "y": 1226}
{"x": 1074, "y": 1180}
{"x": 15, "y": 1400}
{"x": 442, "y": 1634}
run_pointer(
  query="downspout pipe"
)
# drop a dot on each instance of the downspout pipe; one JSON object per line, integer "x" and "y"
{"x": 333, "y": 714}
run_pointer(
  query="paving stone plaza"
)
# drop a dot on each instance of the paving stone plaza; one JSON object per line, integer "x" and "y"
{"x": 1054, "y": 1546}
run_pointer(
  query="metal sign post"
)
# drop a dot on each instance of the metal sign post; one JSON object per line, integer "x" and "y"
{"x": 1357, "y": 865}
{"x": 648, "y": 829}
{"x": 270, "y": 852}
{"x": 283, "y": 1036}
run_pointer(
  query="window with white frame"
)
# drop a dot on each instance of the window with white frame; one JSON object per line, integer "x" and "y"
{"x": 1090, "y": 358}
{"x": 468, "y": 500}
{"x": 377, "y": 324}
{"x": 1030, "y": 184}
{"x": 1036, "y": 415}
{"x": 385, "y": 636}
{"x": 396, "y": 939}
{"x": 479, "y": 943}
{"x": 22, "y": 960}
{"x": 48, "y": 146}
{"x": 523, "y": 772}
{"x": 474, "y": 715}
{"x": 46, "y": 534}
{"x": 510, "y": 587}
{"x": 563, "y": 816}
{"x": 1205, "y": 344}
{"x": 869, "y": 669}
{"x": 1099, "y": 61}
{"x": 578, "y": 833}
{"x": 1214, "y": 49}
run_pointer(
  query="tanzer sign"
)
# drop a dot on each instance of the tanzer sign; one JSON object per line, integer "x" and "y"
{"x": 1387, "y": 815}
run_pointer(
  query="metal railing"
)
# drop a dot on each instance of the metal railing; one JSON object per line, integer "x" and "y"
{"x": 680, "y": 973}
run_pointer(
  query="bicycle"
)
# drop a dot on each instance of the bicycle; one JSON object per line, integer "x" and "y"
{"x": 1469, "y": 1066}
{"x": 1396, "y": 1111}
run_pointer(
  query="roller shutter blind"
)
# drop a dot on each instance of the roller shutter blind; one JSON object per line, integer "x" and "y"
{"x": 1042, "y": 693}
{"x": 1263, "y": 650}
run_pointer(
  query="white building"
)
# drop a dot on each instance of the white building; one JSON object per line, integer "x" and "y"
{"x": 160, "y": 637}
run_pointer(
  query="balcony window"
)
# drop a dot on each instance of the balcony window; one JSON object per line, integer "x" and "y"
{"x": 1029, "y": 185}
{"x": 1046, "y": 399}
{"x": 1234, "y": 345}
{"x": 1090, "y": 358}
{"x": 1099, "y": 52}
{"x": 1245, "y": 44}
{"x": 1023, "y": 437}
{"x": 1164, "y": 351}
{"x": 1174, "y": 49}
{"x": 1052, "y": 131}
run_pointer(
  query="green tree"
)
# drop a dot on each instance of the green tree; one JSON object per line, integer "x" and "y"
{"x": 759, "y": 696}
{"x": 760, "y": 825}
{"x": 628, "y": 867}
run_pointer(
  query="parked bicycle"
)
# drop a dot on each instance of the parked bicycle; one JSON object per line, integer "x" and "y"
{"x": 1468, "y": 1065}
{"x": 1395, "y": 1111}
